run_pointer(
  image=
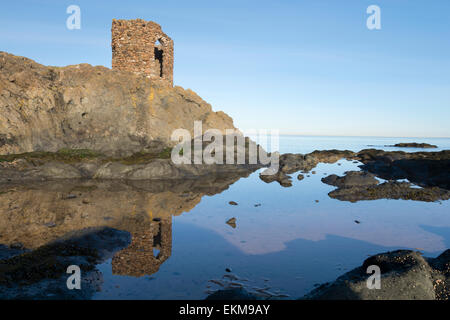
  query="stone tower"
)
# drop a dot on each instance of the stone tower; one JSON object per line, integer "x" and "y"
{"x": 141, "y": 47}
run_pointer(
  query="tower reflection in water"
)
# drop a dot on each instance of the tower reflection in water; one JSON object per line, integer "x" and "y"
{"x": 151, "y": 245}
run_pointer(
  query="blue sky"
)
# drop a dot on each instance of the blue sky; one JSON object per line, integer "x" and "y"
{"x": 303, "y": 67}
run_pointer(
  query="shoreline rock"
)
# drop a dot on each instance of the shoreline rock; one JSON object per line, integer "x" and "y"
{"x": 414, "y": 145}
{"x": 351, "y": 179}
{"x": 405, "y": 275}
{"x": 425, "y": 169}
{"x": 86, "y": 164}
{"x": 390, "y": 190}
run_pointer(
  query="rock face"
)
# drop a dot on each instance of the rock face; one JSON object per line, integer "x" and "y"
{"x": 405, "y": 275}
{"x": 113, "y": 112}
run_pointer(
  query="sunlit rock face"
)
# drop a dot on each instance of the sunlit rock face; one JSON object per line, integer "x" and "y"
{"x": 118, "y": 113}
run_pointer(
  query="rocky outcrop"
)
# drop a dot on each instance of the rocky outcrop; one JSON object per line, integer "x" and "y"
{"x": 290, "y": 163}
{"x": 100, "y": 168}
{"x": 405, "y": 275}
{"x": 414, "y": 145}
{"x": 426, "y": 169}
{"x": 351, "y": 179}
{"x": 390, "y": 190}
{"x": 361, "y": 185}
{"x": 116, "y": 113}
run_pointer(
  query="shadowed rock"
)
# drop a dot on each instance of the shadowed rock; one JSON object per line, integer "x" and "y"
{"x": 414, "y": 145}
{"x": 390, "y": 190}
{"x": 427, "y": 169}
{"x": 351, "y": 179}
{"x": 405, "y": 275}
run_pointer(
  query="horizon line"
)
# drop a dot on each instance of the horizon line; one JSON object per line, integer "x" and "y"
{"x": 356, "y": 136}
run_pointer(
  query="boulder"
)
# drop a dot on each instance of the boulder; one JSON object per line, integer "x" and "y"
{"x": 405, "y": 275}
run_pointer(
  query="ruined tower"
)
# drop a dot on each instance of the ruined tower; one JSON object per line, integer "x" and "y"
{"x": 141, "y": 47}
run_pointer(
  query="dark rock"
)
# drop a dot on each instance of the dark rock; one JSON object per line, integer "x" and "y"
{"x": 16, "y": 246}
{"x": 290, "y": 163}
{"x": 351, "y": 179}
{"x": 390, "y": 190}
{"x": 426, "y": 169}
{"x": 414, "y": 145}
{"x": 41, "y": 273}
{"x": 233, "y": 203}
{"x": 405, "y": 275}
{"x": 300, "y": 177}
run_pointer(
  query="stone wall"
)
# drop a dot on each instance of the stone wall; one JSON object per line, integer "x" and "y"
{"x": 141, "y": 47}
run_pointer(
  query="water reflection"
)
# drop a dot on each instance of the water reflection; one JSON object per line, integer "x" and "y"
{"x": 80, "y": 214}
{"x": 151, "y": 245}
{"x": 38, "y": 213}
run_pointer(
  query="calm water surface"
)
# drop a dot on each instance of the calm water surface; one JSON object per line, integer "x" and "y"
{"x": 290, "y": 242}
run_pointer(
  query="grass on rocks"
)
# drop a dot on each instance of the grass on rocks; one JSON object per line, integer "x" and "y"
{"x": 64, "y": 155}
{"x": 78, "y": 155}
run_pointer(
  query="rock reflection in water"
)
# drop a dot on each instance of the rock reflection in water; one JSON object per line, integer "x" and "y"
{"x": 40, "y": 213}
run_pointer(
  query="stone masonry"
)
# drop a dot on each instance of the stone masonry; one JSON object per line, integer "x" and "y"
{"x": 142, "y": 47}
